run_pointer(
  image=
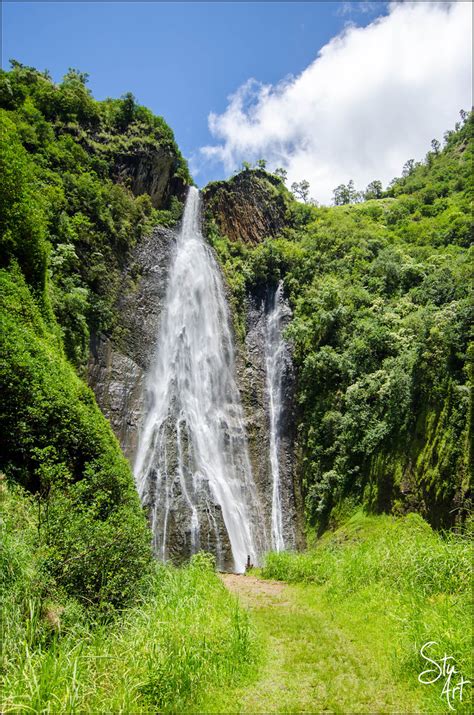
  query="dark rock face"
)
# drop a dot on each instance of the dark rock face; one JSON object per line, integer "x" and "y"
{"x": 151, "y": 172}
{"x": 180, "y": 539}
{"x": 252, "y": 380}
{"x": 249, "y": 207}
{"x": 118, "y": 365}
{"x": 117, "y": 382}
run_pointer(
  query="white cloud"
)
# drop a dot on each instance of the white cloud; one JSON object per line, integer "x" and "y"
{"x": 373, "y": 98}
{"x": 350, "y": 8}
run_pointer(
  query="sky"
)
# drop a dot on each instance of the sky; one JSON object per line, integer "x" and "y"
{"x": 330, "y": 91}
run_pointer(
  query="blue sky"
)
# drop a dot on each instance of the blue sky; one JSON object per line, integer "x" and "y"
{"x": 180, "y": 59}
{"x": 242, "y": 81}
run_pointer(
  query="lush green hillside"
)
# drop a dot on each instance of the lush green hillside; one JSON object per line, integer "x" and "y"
{"x": 80, "y": 590}
{"x": 344, "y": 633}
{"x": 183, "y": 637}
{"x": 82, "y": 182}
{"x": 380, "y": 294}
{"x": 67, "y": 226}
{"x": 386, "y": 586}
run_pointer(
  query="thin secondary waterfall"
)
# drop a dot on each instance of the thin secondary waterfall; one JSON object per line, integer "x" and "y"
{"x": 192, "y": 467}
{"x": 275, "y": 365}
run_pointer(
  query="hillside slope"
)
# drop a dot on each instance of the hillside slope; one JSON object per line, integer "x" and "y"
{"x": 380, "y": 329}
{"x": 80, "y": 183}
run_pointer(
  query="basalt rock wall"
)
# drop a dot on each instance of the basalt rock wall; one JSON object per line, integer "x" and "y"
{"x": 118, "y": 364}
{"x": 249, "y": 207}
{"x": 152, "y": 172}
{"x": 252, "y": 380}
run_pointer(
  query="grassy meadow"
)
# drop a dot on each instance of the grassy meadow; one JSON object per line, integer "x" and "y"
{"x": 339, "y": 631}
{"x": 184, "y": 634}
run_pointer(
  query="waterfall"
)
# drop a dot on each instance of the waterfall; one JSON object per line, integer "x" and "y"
{"x": 275, "y": 355}
{"x": 192, "y": 467}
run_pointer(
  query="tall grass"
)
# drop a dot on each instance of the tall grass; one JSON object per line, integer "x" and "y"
{"x": 419, "y": 579}
{"x": 185, "y": 635}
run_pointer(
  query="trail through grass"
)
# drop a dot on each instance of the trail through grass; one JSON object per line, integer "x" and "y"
{"x": 335, "y": 629}
{"x": 344, "y": 637}
{"x": 314, "y": 661}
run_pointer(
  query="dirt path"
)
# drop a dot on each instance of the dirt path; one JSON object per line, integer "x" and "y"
{"x": 254, "y": 591}
{"x": 313, "y": 658}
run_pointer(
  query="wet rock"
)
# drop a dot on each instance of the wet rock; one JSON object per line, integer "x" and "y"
{"x": 117, "y": 382}
{"x": 118, "y": 364}
{"x": 252, "y": 380}
{"x": 118, "y": 369}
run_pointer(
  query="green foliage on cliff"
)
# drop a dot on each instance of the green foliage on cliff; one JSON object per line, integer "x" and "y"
{"x": 68, "y": 165}
{"x": 92, "y": 541}
{"x": 89, "y": 621}
{"x": 381, "y": 308}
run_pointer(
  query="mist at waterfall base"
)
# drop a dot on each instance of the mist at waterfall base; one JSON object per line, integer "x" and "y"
{"x": 192, "y": 468}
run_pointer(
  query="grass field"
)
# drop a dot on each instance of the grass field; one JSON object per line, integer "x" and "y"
{"x": 185, "y": 634}
{"x": 335, "y": 629}
{"x": 344, "y": 634}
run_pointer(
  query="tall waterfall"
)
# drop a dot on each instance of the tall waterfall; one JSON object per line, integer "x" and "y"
{"x": 275, "y": 365}
{"x": 192, "y": 467}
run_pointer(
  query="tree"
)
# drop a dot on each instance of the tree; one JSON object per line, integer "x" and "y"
{"x": 301, "y": 190}
{"x": 23, "y": 235}
{"x": 435, "y": 145}
{"x": 261, "y": 164}
{"x": 127, "y": 111}
{"x": 374, "y": 190}
{"x": 408, "y": 167}
{"x": 73, "y": 76}
{"x": 246, "y": 166}
{"x": 346, "y": 194}
{"x": 281, "y": 173}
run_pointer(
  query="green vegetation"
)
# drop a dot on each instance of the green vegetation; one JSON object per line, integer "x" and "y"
{"x": 393, "y": 584}
{"x": 345, "y": 634}
{"x": 89, "y": 621}
{"x": 67, "y": 228}
{"x": 183, "y": 636}
{"x": 92, "y": 535}
{"x": 68, "y": 164}
{"x": 381, "y": 306}
{"x": 379, "y": 291}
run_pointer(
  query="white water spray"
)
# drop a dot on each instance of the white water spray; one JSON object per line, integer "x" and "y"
{"x": 275, "y": 363}
{"x": 192, "y": 466}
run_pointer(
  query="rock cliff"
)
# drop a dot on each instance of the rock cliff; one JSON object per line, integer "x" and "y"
{"x": 151, "y": 171}
{"x": 252, "y": 379}
{"x": 249, "y": 207}
{"x": 118, "y": 364}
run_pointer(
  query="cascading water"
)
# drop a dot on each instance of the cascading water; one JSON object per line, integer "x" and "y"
{"x": 192, "y": 467}
{"x": 275, "y": 356}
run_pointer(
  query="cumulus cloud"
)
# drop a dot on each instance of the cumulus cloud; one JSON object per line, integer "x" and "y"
{"x": 373, "y": 98}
